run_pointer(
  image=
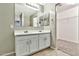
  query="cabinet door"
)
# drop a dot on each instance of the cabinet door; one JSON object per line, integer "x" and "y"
{"x": 44, "y": 41}
{"x": 47, "y": 40}
{"x": 33, "y": 43}
{"x": 41, "y": 43}
{"x": 22, "y": 46}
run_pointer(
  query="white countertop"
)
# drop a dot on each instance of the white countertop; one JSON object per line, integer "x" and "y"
{"x": 21, "y": 32}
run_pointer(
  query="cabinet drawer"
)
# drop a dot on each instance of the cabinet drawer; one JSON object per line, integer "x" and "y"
{"x": 44, "y": 35}
{"x": 21, "y": 37}
{"x": 25, "y": 37}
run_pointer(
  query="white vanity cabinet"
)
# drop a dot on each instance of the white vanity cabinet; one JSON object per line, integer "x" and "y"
{"x": 33, "y": 43}
{"x": 44, "y": 40}
{"x": 24, "y": 45}
{"x": 27, "y": 44}
{"x": 21, "y": 45}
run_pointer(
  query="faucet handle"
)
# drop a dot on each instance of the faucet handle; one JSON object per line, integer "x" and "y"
{"x": 25, "y": 31}
{"x": 40, "y": 31}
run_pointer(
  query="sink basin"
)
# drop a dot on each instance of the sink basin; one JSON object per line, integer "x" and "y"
{"x": 26, "y": 32}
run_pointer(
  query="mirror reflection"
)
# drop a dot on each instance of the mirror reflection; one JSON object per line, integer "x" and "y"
{"x": 30, "y": 15}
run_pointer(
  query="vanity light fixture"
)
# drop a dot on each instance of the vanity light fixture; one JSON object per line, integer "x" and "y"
{"x": 33, "y": 6}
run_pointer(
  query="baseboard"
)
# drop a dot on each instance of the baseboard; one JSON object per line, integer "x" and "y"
{"x": 9, "y": 54}
{"x": 68, "y": 41}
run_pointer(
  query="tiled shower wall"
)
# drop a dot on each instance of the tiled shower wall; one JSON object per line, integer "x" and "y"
{"x": 67, "y": 30}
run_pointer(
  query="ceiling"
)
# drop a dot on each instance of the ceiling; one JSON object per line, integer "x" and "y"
{"x": 19, "y": 8}
{"x": 64, "y": 6}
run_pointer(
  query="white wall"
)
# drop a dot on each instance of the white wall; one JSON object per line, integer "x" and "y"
{"x": 6, "y": 33}
{"x": 67, "y": 25}
{"x": 50, "y": 7}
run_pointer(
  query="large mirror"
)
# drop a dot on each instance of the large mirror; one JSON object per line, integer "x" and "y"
{"x": 27, "y": 15}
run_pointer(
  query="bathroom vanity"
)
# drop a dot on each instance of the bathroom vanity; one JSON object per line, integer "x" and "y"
{"x": 38, "y": 25}
{"x": 29, "y": 42}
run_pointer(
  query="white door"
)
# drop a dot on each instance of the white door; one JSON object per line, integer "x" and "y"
{"x": 33, "y": 43}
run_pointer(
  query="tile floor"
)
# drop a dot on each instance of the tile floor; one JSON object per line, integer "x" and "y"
{"x": 50, "y": 52}
{"x": 68, "y": 47}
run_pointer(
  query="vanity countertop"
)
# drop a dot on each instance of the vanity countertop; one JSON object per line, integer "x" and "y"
{"x": 24, "y": 32}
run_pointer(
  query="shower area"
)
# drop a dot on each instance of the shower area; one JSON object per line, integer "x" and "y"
{"x": 67, "y": 28}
